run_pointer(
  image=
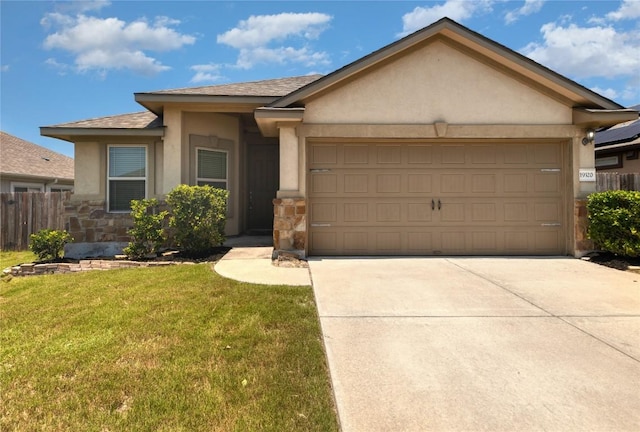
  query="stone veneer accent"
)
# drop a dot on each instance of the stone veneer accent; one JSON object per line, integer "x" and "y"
{"x": 88, "y": 221}
{"x": 581, "y": 222}
{"x": 290, "y": 225}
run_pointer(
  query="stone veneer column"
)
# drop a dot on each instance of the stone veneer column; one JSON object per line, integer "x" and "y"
{"x": 580, "y": 216}
{"x": 290, "y": 225}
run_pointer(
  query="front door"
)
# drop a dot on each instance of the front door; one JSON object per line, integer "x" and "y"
{"x": 263, "y": 185}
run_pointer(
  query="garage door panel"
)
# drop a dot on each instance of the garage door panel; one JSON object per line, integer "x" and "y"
{"x": 355, "y": 154}
{"x": 324, "y": 184}
{"x": 419, "y": 212}
{"x": 545, "y": 182}
{"x": 484, "y": 154}
{"x": 420, "y": 154}
{"x": 425, "y": 198}
{"x": 325, "y": 154}
{"x": 419, "y": 183}
{"x": 324, "y": 212}
{"x": 389, "y": 154}
{"x": 389, "y": 183}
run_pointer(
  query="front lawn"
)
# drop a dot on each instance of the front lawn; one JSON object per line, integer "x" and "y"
{"x": 10, "y": 258}
{"x": 160, "y": 349}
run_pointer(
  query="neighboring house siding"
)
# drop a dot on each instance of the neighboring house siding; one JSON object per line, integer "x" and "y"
{"x": 628, "y": 165}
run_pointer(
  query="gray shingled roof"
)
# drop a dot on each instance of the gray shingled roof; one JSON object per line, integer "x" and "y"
{"x": 273, "y": 87}
{"x": 24, "y": 158}
{"x": 139, "y": 120}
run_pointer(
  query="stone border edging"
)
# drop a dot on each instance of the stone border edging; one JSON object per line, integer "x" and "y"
{"x": 31, "y": 269}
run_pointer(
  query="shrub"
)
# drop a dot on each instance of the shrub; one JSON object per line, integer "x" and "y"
{"x": 198, "y": 217}
{"x": 147, "y": 234}
{"x": 614, "y": 221}
{"x": 48, "y": 244}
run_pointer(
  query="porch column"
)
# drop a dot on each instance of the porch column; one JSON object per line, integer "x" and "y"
{"x": 289, "y": 170}
{"x": 172, "y": 150}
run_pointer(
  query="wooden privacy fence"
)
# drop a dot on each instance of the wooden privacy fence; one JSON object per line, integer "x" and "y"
{"x": 613, "y": 181}
{"x": 25, "y": 213}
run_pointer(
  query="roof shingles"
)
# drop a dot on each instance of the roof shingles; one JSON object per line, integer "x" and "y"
{"x": 273, "y": 87}
{"x": 139, "y": 120}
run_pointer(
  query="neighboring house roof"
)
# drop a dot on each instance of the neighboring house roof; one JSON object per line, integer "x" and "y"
{"x": 619, "y": 138}
{"x": 26, "y": 159}
{"x": 620, "y": 133}
{"x": 526, "y": 69}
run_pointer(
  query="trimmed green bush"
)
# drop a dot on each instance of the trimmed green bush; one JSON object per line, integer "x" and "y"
{"x": 198, "y": 217}
{"x": 147, "y": 234}
{"x": 48, "y": 244}
{"x": 614, "y": 221}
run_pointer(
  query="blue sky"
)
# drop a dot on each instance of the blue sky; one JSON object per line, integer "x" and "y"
{"x": 66, "y": 61}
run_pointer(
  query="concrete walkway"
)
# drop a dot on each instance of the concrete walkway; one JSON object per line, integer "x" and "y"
{"x": 480, "y": 344}
{"x": 249, "y": 261}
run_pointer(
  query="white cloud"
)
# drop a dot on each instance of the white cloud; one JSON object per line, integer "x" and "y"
{"x": 206, "y": 73}
{"x": 80, "y": 6}
{"x": 60, "y": 67}
{"x": 458, "y": 10}
{"x": 585, "y": 52}
{"x": 629, "y": 9}
{"x": 529, "y": 7}
{"x": 4, "y": 68}
{"x": 104, "y": 44}
{"x": 253, "y": 37}
{"x": 608, "y": 92}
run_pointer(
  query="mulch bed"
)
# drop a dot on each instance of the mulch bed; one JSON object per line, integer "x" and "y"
{"x": 618, "y": 262}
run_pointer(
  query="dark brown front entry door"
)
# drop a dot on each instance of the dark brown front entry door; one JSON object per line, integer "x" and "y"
{"x": 263, "y": 185}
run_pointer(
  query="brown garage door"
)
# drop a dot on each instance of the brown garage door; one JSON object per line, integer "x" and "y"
{"x": 433, "y": 198}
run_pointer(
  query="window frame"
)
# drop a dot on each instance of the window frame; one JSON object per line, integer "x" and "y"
{"x": 62, "y": 188}
{"x": 210, "y": 180}
{"x": 27, "y": 185}
{"x": 109, "y": 178}
{"x": 606, "y": 162}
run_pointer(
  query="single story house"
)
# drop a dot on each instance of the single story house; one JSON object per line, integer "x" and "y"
{"x": 28, "y": 167}
{"x": 618, "y": 147}
{"x": 441, "y": 143}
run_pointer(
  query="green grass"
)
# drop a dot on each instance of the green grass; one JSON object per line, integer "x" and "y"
{"x": 10, "y": 258}
{"x": 162, "y": 349}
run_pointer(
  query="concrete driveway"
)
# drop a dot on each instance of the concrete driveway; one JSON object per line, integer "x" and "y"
{"x": 474, "y": 344}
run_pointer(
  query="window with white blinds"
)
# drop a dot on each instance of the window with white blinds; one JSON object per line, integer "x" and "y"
{"x": 212, "y": 168}
{"x": 127, "y": 176}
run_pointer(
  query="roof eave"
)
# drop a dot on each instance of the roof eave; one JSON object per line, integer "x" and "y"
{"x": 37, "y": 177}
{"x": 270, "y": 119}
{"x": 595, "y": 118}
{"x": 155, "y": 102}
{"x": 67, "y": 133}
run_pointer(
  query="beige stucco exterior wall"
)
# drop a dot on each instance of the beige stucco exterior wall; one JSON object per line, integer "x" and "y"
{"x": 171, "y": 149}
{"x": 221, "y": 126}
{"x": 436, "y": 83}
{"x": 90, "y": 170}
{"x": 91, "y": 166}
